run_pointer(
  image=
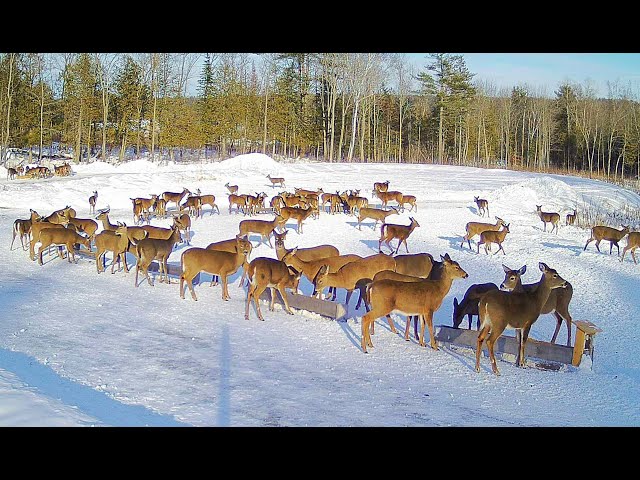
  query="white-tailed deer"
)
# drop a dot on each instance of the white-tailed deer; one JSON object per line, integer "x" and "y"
{"x": 297, "y": 214}
{"x": 103, "y": 217}
{"x": 381, "y": 186}
{"x": 22, "y": 228}
{"x": 633, "y": 241}
{"x": 571, "y": 217}
{"x": 469, "y": 304}
{"x": 261, "y": 227}
{"x": 612, "y": 235}
{"x": 401, "y": 232}
{"x": 86, "y": 225}
{"x": 270, "y": 273}
{"x": 376, "y": 214}
{"x": 519, "y": 310}
{"x": 348, "y": 275}
{"x": 216, "y": 262}
{"x": 276, "y": 181}
{"x": 61, "y": 236}
{"x": 232, "y": 188}
{"x": 483, "y": 206}
{"x": 557, "y": 303}
{"x": 92, "y": 202}
{"x": 422, "y": 298}
{"x": 305, "y": 254}
{"x": 388, "y": 196}
{"x": 409, "y": 200}
{"x": 548, "y": 217}
{"x": 112, "y": 241}
{"x": 355, "y": 203}
{"x": 56, "y": 221}
{"x": 238, "y": 201}
{"x": 175, "y": 197}
{"x": 160, "y": 207}
{"x": 310, "y": 268}
{"x": 489, "y": 237}
{"x": 230, "y": 245}
{"x": 210, "y": 200}
{"x": 183, "y": 222}
{"x": 476, "y": 228}
{"x": 193, "y": 205}
{"x": 150, "y": 249}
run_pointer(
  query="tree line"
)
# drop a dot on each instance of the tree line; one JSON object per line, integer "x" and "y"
{"x": 336, "y": 107}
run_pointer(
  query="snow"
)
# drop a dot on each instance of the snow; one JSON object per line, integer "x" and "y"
{"x": 80, "y": 349}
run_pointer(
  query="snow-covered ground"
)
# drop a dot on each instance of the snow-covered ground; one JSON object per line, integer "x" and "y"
{"x": 78, "y": 348}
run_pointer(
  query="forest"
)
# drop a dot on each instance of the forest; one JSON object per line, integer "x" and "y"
{"x": 333, "y": 107}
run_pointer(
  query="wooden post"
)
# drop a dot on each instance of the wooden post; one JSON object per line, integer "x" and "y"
{"x": 585, "y": 333}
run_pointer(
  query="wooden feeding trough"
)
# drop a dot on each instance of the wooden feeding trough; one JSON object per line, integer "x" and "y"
{"x": 549, "y": 355}
{"x": 326, "y": 308}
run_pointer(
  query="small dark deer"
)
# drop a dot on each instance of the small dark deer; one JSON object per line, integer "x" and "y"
{"x": 483, "y": 206}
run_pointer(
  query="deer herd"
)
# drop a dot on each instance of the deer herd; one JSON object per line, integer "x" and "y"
{"x": 414, "y": 285}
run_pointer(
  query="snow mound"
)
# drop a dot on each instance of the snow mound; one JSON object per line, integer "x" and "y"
{"x": 94, "y": 168}
{"x": 554, "y": 195}
{"x": 138, "y": 166}
{"x": 252, "y": 163}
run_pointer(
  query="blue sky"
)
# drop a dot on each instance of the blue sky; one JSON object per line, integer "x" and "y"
{"x": 549, "y": 69}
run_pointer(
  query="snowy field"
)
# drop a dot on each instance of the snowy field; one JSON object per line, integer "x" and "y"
{"x": 79, "y": 349}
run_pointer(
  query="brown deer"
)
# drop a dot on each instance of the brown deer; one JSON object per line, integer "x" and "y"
{"x": 261, "y": 227}
{"x": 112, "y": 241}
{"x": 612, "y": 235}
{"x": 149, "y": 249}
{"x": 548, "y": 217}
{"x": 183, "y": 222}
{"x": 193, "y": 205}
{"x": 401, "y": 232}
{"x": 276, "y": 181}
{"x": 297, "y": 214}
{"x": 557, "y": 303}
{"x": 233, "y": 189}
{"x": 270, "y": 273}
{"x": 92, "y": 202}
{"x": 349, "y": 274}
{"x": 374, "y": 214}
{"x": 519, "y": 310}
{"x": 476, "y": 228}
{"x": 239, "y": 202}
{"x": 381, "y": 186}
{"x": 469, "y": 304}
{"x": 483, "y": 206}
{"x": 423, "y": 298}
{"x": 409, "y": 200}
{"x": 489, "y": 237}
{"x": 633, "y": 241}
{"x": 22, "y": 228}
{"x": 305, "y": 254}
{"x": 103, "y": 217}
{"x": 571, "y": 217}
{"x": 56, "y": 220}
{"x": 86, "y": 225}
{"x": 388, "y": 196}
{"x": 311, "y": 268}
{"x": 61, "y": 236}
{"x": 224, "y": 264}
{"x": 175, "y": 197}
{"x": 230, "y": 245}
{"x": 210, "y": 200}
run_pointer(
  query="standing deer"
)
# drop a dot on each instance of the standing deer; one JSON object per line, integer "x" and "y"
{"x": 233, "y": 189}
{"x": 92, "y": 202}
{"x": 401, "y": 232}
{"x": 276, "y": 181}
{"x": 270, "y": 273}
{"x": 149, "y": 249}
{"x": 423, "y": 298}
{"x": 376, "y": 214}
{"x": 476, "y": 228}
{"x": 612, "y": 235}
{"x": 571, "y": 217}
{"x": 633, "y": 241}
{"x": 548, "y": 217}
{"x": 261, "y": 227}
{"x": 381, "y": 186}
{"x": 490, "y": 236}
{"x": 519, "y": 310}
{"x": 483, "y": 206}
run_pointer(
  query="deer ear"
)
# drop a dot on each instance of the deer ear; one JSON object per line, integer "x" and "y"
{"x": 522, "y": 270}
{"x": 324, "y": 270}
{"x": 543, "y": 267}
{"x": 505, "y": 268}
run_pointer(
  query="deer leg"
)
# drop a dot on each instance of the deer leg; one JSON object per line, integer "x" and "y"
{"x": 391, "y": 325}
{"x": 481, "y": 336}
{"x": 283, "y": 294}
{"x": 633, "y": 255}
{"x": 429, "y": 320}
{"x": 416, "y": 320}
{"x": 525, "y": 336}
{"x": 365, "y": 338}
{"x": 406, "y": 328}
{"x": 214, "y": 280}
{"x": 405, "y": 245}
{"x": 490, "y": 342}
{"x": 598, "y": 246}
{"x": 250, "y": 293}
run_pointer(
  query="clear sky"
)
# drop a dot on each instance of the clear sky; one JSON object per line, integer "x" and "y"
{"x": 549, "y": 69}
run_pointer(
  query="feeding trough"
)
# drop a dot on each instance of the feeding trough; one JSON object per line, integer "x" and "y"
{"x": 326, "y": 308}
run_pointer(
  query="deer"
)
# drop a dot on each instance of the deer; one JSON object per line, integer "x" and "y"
{"x": 519, "y": 310}
{"x": 376, "y": 214}
{"x": 298, "y": 214}
{"x": 274, "y": 274}
{"x": 160, "y": 207}
{"x": 239, "y": 202}
{"x": 103, "y": 217}
{"x": 410, "y": 200}
{"x": 183, "y": 222}
{"x": 56, "y": 220}
{"x": 612, "y": 235}
{"x": 277, "y": 202}
{"x": 355, "y": 202}
{"x": 276, "y": 181}
{"x": 210, "y": 200}
{"x": 557, "y": 303}
{"x": 476, "y": 228}
{"x": 262, "y": 227}
{"x": 92, "y": 202}
{"x": 350, "y": 273}
{"x": 149, "y": 249}
{"x": 229, "y": 245}
{"x": 633, "y": 241}
{"x": 488, "y": 237}
{"x": 311, "y": 268}
{"x": 571, "y": 217}
{"x": 112, "y": 241}
{"x": 548, "y": 217}
{"x": 303, "y": 192}
{"x": 381, "y": 186}
{"x": 386, "y": 197}
{"x": 216, "y": 262}
{"x": 11, "y": 173}
{"x": 193, "y": 205}
{"x": 86, "y": 225}
{"x": 483, "y": 206}
{"x": 175, "y": 197}
{"x": 61, "y": 236}
{"x": 233, "y": 189}
{"x": 469, "y": 304}
{"x": 401, "y": 232}
{"x": 22, "y": 228}
{"x": 423, "y": 298}
{"x": 305, "y": 254}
